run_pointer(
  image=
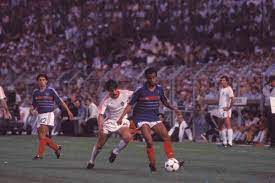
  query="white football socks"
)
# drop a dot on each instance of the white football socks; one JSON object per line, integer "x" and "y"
{"x": 95, "y": 152}
{"x": 223, "y": 136}
{"x": 230, "y": 136}
{"x": 121, "y": 145}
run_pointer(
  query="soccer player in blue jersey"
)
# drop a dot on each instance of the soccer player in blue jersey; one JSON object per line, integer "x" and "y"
{"x": 145, "y": 113}
{"x": 43, "y": 101}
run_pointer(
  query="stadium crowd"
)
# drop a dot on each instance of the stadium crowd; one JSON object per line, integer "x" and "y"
{"x": 82, "y": 43}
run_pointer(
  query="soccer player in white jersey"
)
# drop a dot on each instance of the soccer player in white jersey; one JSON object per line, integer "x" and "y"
{"x": 112, "y": 106}
{"x": 226, "y": 100}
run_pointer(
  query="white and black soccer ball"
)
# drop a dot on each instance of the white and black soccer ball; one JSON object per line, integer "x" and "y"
{"x": 171, "y": 165}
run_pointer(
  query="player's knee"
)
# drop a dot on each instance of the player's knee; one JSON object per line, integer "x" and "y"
{"x": 127, "y": 138}
{"x": 166, "y": 138}
{"x": 99, "y": 146}
{"x": 149, "y": 144}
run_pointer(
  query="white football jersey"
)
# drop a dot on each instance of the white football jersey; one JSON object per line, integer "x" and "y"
{"x": 113, "y": 108}
{"x": 225, "y": 95}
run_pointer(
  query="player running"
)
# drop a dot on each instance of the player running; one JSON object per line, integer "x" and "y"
{"x": 43, "y": 101}
{"x": 112, "y": 106}
{"x": 145, "y": 113}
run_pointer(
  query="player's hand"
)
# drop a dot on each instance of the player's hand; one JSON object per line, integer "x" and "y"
{"x": 8, "y": 115}
{"x": 71, "y": 116}
{"x": 119, "y": 122}
{"x": 226, "y": 108}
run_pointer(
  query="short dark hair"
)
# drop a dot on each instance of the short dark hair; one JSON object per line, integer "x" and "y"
{"x": 161, "y": 114}
{"x": 41, "y": 75}
{"x": 150, "y": 70}
{"x": 225, "y": 77}
{"x": 110, "y": 85}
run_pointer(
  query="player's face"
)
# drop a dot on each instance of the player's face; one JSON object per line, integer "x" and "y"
{"x": 114, "y": 93}
{"x": 161, "y": 118}
{"x": 273, "y": 83}
{"x": 180, "y": 117}
{"x": 152, "y": 79}
{"x": 224, "y": 83}
{"x": 42, "y": 82}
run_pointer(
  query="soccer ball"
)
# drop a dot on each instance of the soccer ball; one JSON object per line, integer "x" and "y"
{"x": 171, "y": 165}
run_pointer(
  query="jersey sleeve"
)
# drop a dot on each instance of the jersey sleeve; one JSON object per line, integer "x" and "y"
{"x": 102, "y": 106}
{"x": 135, "y": 97}
{"x": 2, "y": 94}
{"x": 230, "y": 93}
{"x": 57, "y": 99}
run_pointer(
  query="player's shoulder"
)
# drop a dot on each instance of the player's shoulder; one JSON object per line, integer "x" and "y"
{"x": 125, "y": 92}
{"x": 139, "y": 88}
{"x": 105, "y": 99}
{"x": 229, "y": 88}
{"x": 159, "y": 87}
{"x": 51, "y": 89}
{"x": 35, "y": 91}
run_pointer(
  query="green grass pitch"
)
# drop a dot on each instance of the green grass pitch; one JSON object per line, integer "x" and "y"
{"x": 204, "y": 163}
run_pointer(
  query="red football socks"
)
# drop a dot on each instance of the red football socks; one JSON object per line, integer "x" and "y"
{"x": 168, "y": 149}
{"x": 151, "y": 155}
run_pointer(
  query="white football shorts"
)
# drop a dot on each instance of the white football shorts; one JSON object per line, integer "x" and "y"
{"x": 45, "y": 119}
{"x": 150, "y": 123}
{"x": 111, "y": 126}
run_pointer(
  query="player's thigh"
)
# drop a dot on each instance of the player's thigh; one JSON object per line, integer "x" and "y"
{"x": 221, "y": 123}
{"x": 42, "y": 131}
{"x": 146, "y": 132}
{"x": 102, "y": 139}
{"x": 161, "y": 130}
{"x": 227, "y": 121}
{"x": 125, "y": 134}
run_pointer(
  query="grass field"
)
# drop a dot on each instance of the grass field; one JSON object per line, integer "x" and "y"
{"x": 205, "y": 163}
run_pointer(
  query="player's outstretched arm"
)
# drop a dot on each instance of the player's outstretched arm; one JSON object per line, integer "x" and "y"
{"x": 127, "y": 109}
{"x": 70, "y": 114}
{"x": 168, "y": 105}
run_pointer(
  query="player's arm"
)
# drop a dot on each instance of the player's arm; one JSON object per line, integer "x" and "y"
{"x": 64, "y": 105}
{"x": 231, "y": 98}
{"x": 128, "y": 108}
{"x": 165, "y": 102}
{"x": 60, "y": 102}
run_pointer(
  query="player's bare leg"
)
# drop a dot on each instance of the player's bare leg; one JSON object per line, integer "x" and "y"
{"x": 222, "y": 132}
{"x": 43, "y": 130}
{"x": 146, "y": 132}
{"x": 229, "y": 131}
{"x": 126, "y": 137}
{"x": 161, "y": 130}
{"x": 102, "y": 139}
